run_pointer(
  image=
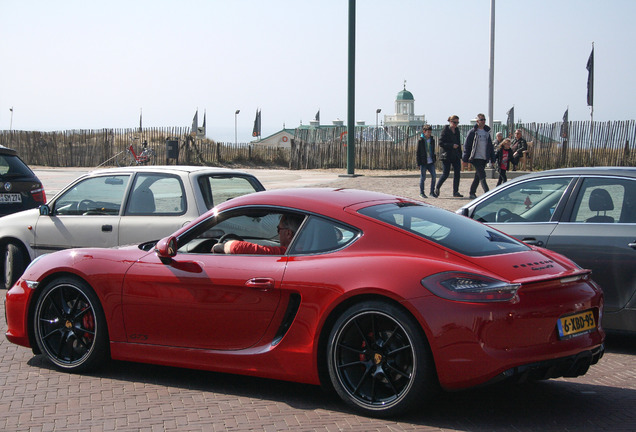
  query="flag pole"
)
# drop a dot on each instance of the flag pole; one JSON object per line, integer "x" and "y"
{"x": 351, "y": 88}
{"x": 491, "y": 69}
{"x": 590, "y": 96}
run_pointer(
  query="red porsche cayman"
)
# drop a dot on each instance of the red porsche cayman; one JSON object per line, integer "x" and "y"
{"x": 381, "y": 298}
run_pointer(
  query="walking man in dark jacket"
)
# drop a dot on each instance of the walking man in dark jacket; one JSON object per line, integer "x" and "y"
{"x": 450, "y": 155}
{"x": 478, "y": 150}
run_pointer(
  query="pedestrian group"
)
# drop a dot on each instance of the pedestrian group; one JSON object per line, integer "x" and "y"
{"x": 478, "y": 150}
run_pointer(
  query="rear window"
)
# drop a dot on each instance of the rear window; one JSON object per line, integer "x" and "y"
{"x": 458, "y": 233}
{"x": 12, "y": 167}
{"x": 219, "y": 188}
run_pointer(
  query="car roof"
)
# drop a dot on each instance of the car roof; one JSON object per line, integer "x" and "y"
{"x": 577, "y": 171}
{"x": 320, "y": 200}
{"x": 175, "y": 169}
{"x": 7, "y": 151}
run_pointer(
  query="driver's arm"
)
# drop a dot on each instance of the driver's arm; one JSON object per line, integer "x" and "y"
{"x": 227, "y": 246}
{"x": 243, "y": 247}
{"x": 224, "y": 248}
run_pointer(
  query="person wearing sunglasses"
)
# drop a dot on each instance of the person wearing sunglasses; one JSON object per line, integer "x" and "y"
{"x": 479, "y": 150}
{"x": 287, "y": 228}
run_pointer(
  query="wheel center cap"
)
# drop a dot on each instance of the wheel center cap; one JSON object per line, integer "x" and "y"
{"x": 377, "y": 358}
{"x": 68, "y": 324}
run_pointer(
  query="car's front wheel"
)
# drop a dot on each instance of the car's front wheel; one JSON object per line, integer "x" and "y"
{"x": 14, "y": 264}
{"x": 379, "y": 361}
{"x": 70, "y": 327}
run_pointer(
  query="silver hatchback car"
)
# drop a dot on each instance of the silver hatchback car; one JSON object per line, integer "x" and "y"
{"x": 111, "y": 207}
{"x": 586, "y": 214}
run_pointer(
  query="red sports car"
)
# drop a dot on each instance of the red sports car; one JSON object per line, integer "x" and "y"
{"x": 382, "y": 298}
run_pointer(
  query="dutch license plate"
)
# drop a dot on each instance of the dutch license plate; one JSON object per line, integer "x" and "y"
{"x": 572, "y": 325}
{"x": 10, "y": 198}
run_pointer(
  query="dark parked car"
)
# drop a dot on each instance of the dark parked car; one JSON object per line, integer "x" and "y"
{"x": 586, "y": 214}
{"x": 20, "y": 188}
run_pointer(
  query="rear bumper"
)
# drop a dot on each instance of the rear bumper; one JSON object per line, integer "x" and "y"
{"x": 568, "y": 367}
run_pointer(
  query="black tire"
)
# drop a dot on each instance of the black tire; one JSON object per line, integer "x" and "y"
{"x": 379, "y": 361}
{"x": 14, "y": 264}
{"x": 70, "y": 327}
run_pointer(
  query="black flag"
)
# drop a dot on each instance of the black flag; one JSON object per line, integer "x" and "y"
{"x": 195, "y": 123}
{"x": 201, "y": 132}
{"x": 565, "y": 127}
{"x": 257, "y": 124}
{"x": 590, "y": 79}
{"x": 510, "y": 123}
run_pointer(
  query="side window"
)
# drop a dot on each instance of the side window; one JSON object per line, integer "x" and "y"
{"x": 530, "y": 201}
{"x": 93, "y": 196}
{"x": 258, "y": 226}
{"x": 605, "y": 200}
{"x": 321, "y": 235}
{"x": 216, "y": 189}
{"x": 157, "y": 194}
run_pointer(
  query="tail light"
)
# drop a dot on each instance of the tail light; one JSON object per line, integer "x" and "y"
{"x": 470, "y": 287}
{"x": 39, "y": 196}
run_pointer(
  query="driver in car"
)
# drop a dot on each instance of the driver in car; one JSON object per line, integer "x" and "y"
{"x": 287, "y": 228}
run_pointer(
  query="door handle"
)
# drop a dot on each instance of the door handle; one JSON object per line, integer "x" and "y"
{"x": 533, "y": 242}
{"x": 107, "y": 228}
{"x": 262, "y": 284}
{"x": 632, "y": 245}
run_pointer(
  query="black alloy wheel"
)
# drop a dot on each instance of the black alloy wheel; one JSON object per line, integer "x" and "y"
{"x": 70, "y": 328}
{"x": 379, "y": 361}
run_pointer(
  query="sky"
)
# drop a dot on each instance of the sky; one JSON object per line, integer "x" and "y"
{"x": 76, "y": 64}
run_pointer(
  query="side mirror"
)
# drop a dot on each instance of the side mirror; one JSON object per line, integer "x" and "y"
{"x": 464, "y": 211}
{"x": 45, "y": 210}
{"x": 166, "y": 249}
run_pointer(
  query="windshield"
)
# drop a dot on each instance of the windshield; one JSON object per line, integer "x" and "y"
{"x": 458, "y": 233}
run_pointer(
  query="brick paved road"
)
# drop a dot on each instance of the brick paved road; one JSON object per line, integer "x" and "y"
{"x": 134, "y": 397}
{"x": 130, "y": 397}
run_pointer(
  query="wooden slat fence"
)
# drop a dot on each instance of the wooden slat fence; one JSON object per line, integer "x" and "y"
{"x": 604, "y": 144}
{"x": 383, "y": 148}
{"x": 108, "y": 147}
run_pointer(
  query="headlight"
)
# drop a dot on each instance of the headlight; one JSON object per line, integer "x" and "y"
{"x": 470, "y": 287}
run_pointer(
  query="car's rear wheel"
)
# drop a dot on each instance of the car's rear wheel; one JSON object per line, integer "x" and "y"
{"x": 70, "y": 327}
{"x": 14, "y": 264}
{"x": 379, "y": 361}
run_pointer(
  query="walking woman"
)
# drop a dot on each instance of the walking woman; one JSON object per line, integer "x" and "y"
{"x": 450, "y": 154}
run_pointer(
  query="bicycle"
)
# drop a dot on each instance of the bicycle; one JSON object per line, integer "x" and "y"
{"x": 142, "y": 158}
{"x": 133, "y": 158}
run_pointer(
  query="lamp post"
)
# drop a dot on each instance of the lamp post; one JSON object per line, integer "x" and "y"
{"x": 235, "y": 133}
{"x": 378, "y": 111}
{"x": 11, "y": 122}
